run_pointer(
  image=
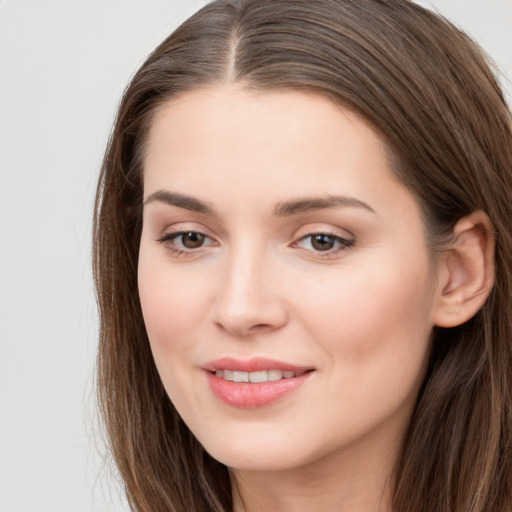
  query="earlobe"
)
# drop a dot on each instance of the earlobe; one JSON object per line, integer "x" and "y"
{"x": 467, "y": 271}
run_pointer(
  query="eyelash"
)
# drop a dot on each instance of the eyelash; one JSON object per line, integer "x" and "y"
{"x": 169, "y": 241}
{"x": 343, "y": 244}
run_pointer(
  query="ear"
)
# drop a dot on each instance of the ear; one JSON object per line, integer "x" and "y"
{"x": 466, "y": 271}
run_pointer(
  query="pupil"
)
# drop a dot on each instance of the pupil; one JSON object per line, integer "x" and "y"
{"x": 192, "y": 240}
{"x": 322, "y": 242}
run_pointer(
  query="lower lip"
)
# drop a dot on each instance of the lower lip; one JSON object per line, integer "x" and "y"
{"x": 250, "y": 396}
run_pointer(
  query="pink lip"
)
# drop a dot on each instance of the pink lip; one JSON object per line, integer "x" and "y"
{"x": 252, "y": 395}
{"x": 255, "y": 364}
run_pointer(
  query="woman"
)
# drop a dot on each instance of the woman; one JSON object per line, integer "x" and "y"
{"x": 303, "y": 260}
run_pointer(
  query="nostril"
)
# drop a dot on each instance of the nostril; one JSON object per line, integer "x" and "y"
{"x": 259, "y": 327}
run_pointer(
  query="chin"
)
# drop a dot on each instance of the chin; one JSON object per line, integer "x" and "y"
{"x": 254, "y": 454}
{"x": 251, "y": 460}
{"x": 276, "y": 452}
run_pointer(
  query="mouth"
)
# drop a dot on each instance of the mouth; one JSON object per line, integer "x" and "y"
{"x": 273, "y": 375}
{"x": 254, "y": 383}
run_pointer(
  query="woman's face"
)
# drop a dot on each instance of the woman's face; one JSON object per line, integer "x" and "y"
{"x": 278, "y": 247}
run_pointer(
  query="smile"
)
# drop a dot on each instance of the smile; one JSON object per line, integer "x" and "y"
{"x": 254, "y": 383}
{"x": 255, "y": 377}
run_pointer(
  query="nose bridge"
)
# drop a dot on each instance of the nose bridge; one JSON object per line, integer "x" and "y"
{"x": 248, "y": 300}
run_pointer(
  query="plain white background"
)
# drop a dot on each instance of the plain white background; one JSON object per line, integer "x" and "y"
{"x": 63, "y": 67}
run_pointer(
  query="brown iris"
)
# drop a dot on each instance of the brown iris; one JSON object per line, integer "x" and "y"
{"x": 322, "y": 242}
{"x": 192, "y": 240}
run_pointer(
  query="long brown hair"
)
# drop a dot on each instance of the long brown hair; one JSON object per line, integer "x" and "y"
{"x": 430, "y": 92}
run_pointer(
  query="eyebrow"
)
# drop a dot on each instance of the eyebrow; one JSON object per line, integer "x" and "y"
{"x": 282, "y": 209}
{"x": 181, "y": 201}
{"x": 294, "y": 207}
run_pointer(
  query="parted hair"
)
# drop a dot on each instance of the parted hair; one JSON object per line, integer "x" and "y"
{"x": 432, "y": 94}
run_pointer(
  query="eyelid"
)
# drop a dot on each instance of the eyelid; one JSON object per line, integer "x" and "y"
{"x": 178, "y": 228}
{"x": 345, "y": 242}
{"x": 167, "y": 239}
{"x": 325, "y": 229}
{"x": 176, "y": 234}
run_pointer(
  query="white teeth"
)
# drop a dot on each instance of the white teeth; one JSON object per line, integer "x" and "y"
{"x": 260, "y": 376}
{"x": 240, "y": 377}
{"x": 275, "y": 375}
{"x": 224, "y": 374}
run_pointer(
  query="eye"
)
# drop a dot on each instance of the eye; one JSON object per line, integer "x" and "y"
{"x": 190, "y": 240}
{"x": 185, "y": 242}
{"x": 324, "y": 243}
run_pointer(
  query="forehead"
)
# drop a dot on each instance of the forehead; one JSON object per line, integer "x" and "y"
{"x": 256, "y": 116}
{"x": 234, "y": 144}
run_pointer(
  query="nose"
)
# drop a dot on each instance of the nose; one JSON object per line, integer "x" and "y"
{"x": 249, "y": 298}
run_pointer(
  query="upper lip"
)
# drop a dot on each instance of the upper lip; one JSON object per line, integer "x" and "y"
{"x": 255, "y": 364}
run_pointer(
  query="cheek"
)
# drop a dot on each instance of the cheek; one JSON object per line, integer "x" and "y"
{"x": 374, "y": 330}
{"x": 168, "y": 305}
{"x": 172, "y": 302}
{"x": 173, "y": 311}
{"x": 374, "y": 319}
